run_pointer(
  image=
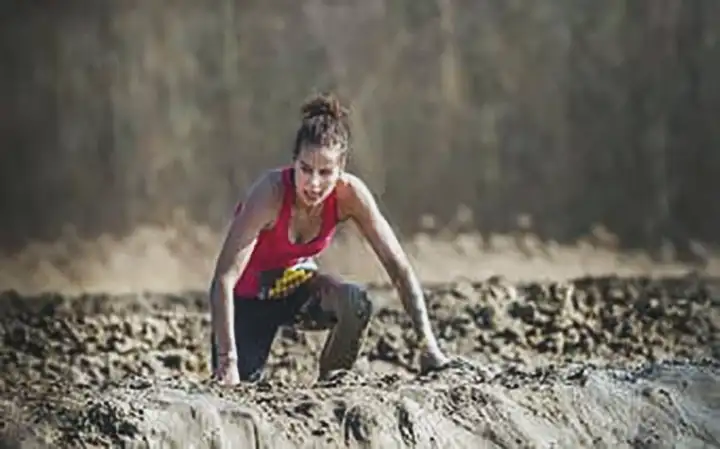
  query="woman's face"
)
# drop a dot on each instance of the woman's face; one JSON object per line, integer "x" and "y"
{"x": 317, "y": 170}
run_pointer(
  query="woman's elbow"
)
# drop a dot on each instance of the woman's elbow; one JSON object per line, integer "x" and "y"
{"x": 222, "y": 282}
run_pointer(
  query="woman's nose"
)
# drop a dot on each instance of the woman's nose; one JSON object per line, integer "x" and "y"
{"x": 314, "y": 180}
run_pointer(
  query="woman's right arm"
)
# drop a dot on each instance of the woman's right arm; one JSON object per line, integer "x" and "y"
{"x": 258, "y": 211}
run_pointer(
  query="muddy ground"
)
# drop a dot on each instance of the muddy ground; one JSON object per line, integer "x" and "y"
{"x": 590, "y": 362}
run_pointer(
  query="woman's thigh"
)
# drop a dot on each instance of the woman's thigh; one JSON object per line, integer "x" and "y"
{"x": 325, "y": 300}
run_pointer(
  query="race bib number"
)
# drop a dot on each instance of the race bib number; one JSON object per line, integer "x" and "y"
{"x": 277, "y": 284}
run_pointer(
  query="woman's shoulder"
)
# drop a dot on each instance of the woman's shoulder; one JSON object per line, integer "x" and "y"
{"x": 274, "y": 180}
{"x": 351, "y": 185}
{"x": 352, "y": 194}
{"x": 267, "y": 189}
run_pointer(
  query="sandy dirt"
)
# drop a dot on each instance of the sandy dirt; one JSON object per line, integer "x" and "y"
{"x": 606, "y": 362}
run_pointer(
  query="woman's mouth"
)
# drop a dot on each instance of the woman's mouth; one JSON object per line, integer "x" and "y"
{"x": 312, "y": 196}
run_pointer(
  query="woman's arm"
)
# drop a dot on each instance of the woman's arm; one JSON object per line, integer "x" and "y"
{"x": 363, "y": 210}
{"x": 258, "y": 211}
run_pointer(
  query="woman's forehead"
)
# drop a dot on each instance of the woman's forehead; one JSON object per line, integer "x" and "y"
{"x": 319, "y": 156}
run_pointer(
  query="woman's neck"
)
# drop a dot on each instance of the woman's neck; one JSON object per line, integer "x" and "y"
{"x": 304, "y": 209}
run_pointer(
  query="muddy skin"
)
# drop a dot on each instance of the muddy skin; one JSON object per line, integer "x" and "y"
{"x": 352, "y": 310}
{"x": 593, "y": 362}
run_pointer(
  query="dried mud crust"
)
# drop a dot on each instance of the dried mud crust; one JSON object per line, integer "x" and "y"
{"x": 96, "y": 370}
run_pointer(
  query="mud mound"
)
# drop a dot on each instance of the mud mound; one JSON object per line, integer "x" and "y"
{"x": 662, "y": 405}
{"x": 596, "y": 362}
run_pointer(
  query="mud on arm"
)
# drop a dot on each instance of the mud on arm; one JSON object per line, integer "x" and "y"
{"x": 258, "y": 211}
{"x": 375, "y": 228}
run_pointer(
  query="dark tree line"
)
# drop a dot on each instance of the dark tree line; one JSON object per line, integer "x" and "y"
{"x": 576, "y": 113}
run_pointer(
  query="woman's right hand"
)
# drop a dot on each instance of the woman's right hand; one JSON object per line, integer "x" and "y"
{"x": 227, "y": 372}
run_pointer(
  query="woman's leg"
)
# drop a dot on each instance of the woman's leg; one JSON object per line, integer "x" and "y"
{"x": 342, "y": 307}
{"x": 320, "y": 303}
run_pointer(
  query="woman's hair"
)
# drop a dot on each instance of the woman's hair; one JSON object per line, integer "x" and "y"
{"x": 324, "y": 122}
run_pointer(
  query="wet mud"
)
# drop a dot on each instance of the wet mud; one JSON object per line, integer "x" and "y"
{"x": 592, "y": 362}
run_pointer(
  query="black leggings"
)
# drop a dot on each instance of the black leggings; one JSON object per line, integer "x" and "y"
{"x": 257, "y": 322}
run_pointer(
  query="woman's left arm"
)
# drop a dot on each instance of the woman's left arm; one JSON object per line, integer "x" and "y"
{"x": 362, "y": 208}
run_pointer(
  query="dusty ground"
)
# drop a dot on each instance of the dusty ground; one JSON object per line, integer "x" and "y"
{"x": 575, "y": 347}
{"x": 594, "y": 362}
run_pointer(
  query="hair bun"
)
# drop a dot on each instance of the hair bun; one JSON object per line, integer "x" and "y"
{"x": 325, "y": 104}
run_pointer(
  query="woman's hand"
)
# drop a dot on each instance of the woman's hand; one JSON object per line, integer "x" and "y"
{"x": 432, "y": 358}
{"x": 227, "y": 371}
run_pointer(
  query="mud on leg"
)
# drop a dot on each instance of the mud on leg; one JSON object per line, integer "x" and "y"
{"x": 352, "y": 309}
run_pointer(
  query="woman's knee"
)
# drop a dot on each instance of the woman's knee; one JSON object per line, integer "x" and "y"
{"x": 354, "y": 303}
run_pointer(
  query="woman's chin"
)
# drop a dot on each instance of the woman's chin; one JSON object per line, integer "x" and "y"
{"x": 310, "y": 201}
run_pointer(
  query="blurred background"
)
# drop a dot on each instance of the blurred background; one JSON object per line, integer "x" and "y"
{"x": 564, "y": 120}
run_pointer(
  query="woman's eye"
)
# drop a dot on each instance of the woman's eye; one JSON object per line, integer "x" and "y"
{"x": 325, "y": 173}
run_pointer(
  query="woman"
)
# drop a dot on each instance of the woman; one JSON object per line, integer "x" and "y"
{"x": 265, "y": 276}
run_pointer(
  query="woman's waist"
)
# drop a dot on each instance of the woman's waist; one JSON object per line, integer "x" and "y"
{"x": 268, "y": 256}
{"x": 270, "y": 280}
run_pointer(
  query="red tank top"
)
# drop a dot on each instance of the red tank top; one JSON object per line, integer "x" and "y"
{"x": 274, "y": 252}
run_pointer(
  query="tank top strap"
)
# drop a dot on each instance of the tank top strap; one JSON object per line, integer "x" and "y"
{"x": 330, "y": 211}
{"x": 283, "y": 219}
